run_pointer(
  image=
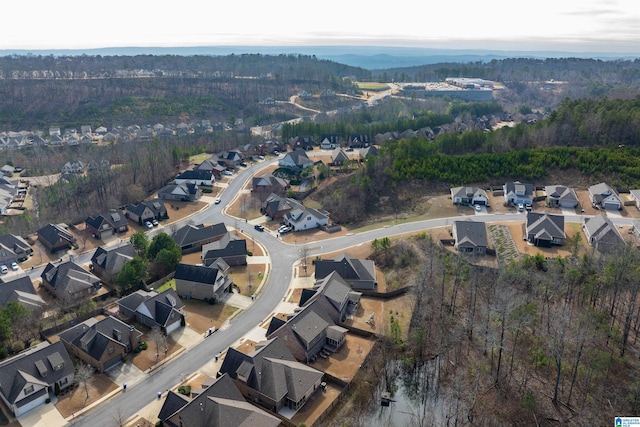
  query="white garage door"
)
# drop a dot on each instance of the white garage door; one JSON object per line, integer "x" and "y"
{"x": 173, "y": 327}
{"x": 24, "y": 408}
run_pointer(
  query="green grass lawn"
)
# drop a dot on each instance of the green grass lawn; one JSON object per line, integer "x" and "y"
{"x": 199, "y": 158}
{"x": 170, "y": 284}
{"x": 373, "y": 86}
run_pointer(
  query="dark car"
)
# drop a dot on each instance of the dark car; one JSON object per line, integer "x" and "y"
{"x": 258, "y": 227}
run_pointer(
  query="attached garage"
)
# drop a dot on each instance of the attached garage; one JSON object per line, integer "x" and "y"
{"x": 172, "y": 327}
{"x": 611, "y": 205}
{"x": 32, "y": 401}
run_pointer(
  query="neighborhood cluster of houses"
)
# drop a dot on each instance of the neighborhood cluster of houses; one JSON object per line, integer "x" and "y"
{"x": 543, "y": 229}
{"x": 11, "y": 190}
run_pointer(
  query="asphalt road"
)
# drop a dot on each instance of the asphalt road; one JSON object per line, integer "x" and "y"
{"x": 125, "y": 405}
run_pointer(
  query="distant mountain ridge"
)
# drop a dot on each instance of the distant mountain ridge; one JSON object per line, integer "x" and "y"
{"x": 368, "y": 57}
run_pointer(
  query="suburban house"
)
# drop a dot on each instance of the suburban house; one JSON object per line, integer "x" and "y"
{"x": 229, "y": 248}
{"x": 22, "y": 291}
{"x": 335, "y": 295}
{"x": 303, "y": 218}
{"x": 271, "y": 376}
{"x": 28, "y": 379}
{"x": 357, "y": 273}
{"x": 329, "y": 141}
{"x": 56, "y": 237}
{"x": 469, "y": 196}
{"x": 214, "y": 165}
{"x": 518, "y": 193}
{"x": 13, "y": 249}
{"x": 153, "y": 309}
{"x": 309, "y": 333}
{"x": 107, "y": 224}
{"x": 605, "y": 197}
{"x": 203, "y": 283}
{"x": 304, "y": 142}
{"x": 338, "y": 157}
{"x": 197, "y": 176}
{"x": 267, "y": 184}
{"x": 191, "y": 238}
{"x": 69, "y": 281}
{"x": 544, "y": 229}
{"x": 180, "y": 192}
{"x": 76, "y": 167}
{"x": 296, "y": 160}
{"x": 218, "y": 403}
{"x": 559, "y": 196}
{"x": 470, "y": 237}
{"x": 107, "y": 262}
{"x": 231, "y": 159}
{"x": 147, "y": 210}
{"x": 101, "y": 343}
{"x": 602, "y": 234}
{"x": 359, "y": 140}
{"x": 276, "y": 207}
{"x": 7, "y": 170}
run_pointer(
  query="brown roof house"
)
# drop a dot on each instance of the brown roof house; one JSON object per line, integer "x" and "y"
{"x": 28, "y": 379}
{"x": 101, "y": 343}
{"x": 218, "y": 403}
{"x": 271, "y": 376}
{"x": 203, "y": 283}
{"x": 153, "y": 309}
{"x": 276, "y": 207}
{"x": 69, "y": 281}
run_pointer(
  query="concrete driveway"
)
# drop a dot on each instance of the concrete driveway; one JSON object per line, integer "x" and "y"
{"x": 43, "y": 416}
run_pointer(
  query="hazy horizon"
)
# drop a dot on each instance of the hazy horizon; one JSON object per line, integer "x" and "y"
{"x": 609, "y": 26}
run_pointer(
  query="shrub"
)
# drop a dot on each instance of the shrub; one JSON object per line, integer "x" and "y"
{"x": 17, "y": 346}
{"x": 48, "y": 400}
{"x": 249, "y": 253}
{"x": 143, "y": 346}
{"x": 184, "y": 389}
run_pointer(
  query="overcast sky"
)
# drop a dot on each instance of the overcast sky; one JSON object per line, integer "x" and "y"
{"x": 580, "y": 26}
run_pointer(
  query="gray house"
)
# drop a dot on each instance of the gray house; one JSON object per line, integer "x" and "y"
{"x": 357, "y": 273}
{"x": 107, "y": 262}
{"x": 559, "y": 196}
{"x": 22, "y": 291}
{"x": 69, "y": 281}
{"x": 469, "y": 196}
{"x": 153, "y": 309}
{"x": 605, "y": 197}
{"x": 545, "y": 230}
{"x": 470, "y": 237}
{"x": 517, "y": 192}
{"x": 203, "y": 283}
{"x": 28, "y": 379}
{"x": 602, "y": 234}
{"x": 186, "y": 192}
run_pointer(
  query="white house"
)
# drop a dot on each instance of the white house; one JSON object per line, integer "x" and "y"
{"x": 604, "y": 197}
{"x": 302, "y": 218}
{"x": 469, "y": 196}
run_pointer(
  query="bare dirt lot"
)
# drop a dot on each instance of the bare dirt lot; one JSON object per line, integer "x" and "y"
{"x": 153, "y": 355}
{"x": 98, "y": 386}
{"x": 200, "y": 316}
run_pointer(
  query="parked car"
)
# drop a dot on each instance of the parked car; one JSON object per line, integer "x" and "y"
{"x": 478, "y": 208}
{"x": 148, "y": 224}
{"x": 4, "y": 269}
{"x": 258, "y": 227}
{"x": 154, "y": 222}
{"x": 520, "y": 207}
{"x": 14, "y": 266}
{"x": 260, "y": 157}
{"x": 226, "y": 173}
{"x": 284, "y": 229}
{"x": 217, "y": 201}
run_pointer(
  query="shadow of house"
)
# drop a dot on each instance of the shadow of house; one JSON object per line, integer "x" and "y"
{"x": 271, "y": 376}
{"x": 107, "y": 262}
{"x": 28, "y": 379}
{"x": 153, "y": 309}
{"x": 357, "y": 273}
{"x": 203, "y": 283}
{"x": 69, "y": 281}
{"x": 101, "y": 343}
{"x": 218, "y": 403}
{"x": 56, "y": 237}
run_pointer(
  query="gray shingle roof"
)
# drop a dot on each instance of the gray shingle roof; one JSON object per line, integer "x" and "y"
{"x": 470, "y": 233}
{"x": 112, "y": 259}
{"x": 190, "y": 234}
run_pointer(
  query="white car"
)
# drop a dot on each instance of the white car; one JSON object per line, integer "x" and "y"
{"x": 4, "y": 269}
{"x": 148, "y": 224}
{"x": 217, "y": 201}
{"x": 14, "y": 266}
{"x": 284, "y": 229}
{"x": 226, "y": 173}
{"x": 478, "y": 208}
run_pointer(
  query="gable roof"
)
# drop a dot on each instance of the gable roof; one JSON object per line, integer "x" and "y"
{"x": 352, "y": 270}
{"x": 470, "y": 233}
{"x": 515, "y": 187}
{"x": 196, "y": 175}
{"x": 601, "y": 231}
{"x": 184, "y": 189}
{"x": 190, "y": 234}
{"x": 157, "y": 306}
{"x": 22, "y": 291}
{"x": 561, "y": 193}
{"x": 36, "y": 365}
{"x": 16, "y": 243}
{"x": 69, "y": 278}
{"x": 467, "y": 192}
{"x": 227, "y": 246}
{"x": 51, "y": 233}
{"x": 219, "y": 405}
{"x": 545, "y": 226}
{"x": 196, "y": 273}
{"x": 111, "y": 260}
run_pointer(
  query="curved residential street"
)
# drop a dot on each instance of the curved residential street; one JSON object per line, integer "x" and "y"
{"x": 137, "y": 396}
